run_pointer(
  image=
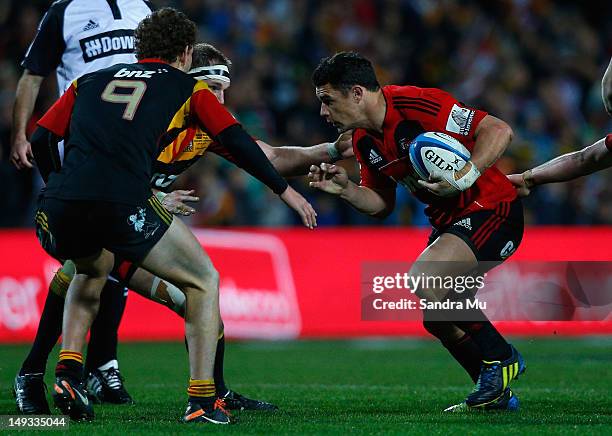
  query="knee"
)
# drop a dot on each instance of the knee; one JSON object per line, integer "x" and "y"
{"x": 85, "y": 291}
{"x": 98, "y": 267}
{"x": 445, "y": 331}
{"x": 429, "y": 293}
{"x": 207, "y": 282}
{"x": 213, "y": 279}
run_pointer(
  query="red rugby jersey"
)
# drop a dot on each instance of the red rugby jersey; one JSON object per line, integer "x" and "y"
{"x": 384, "y": 159}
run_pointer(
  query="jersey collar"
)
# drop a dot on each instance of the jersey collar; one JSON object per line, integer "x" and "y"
{"x": 387, "y": 120}
{"x": 149, "y": 60}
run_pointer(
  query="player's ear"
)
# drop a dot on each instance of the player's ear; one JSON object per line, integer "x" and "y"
{"x": 357, "y": 93}
{"x": 185, "y": 58}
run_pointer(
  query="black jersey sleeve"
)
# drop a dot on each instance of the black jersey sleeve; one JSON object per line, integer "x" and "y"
{"x": 45, "y": 151}
{"x": 46, "y": 50}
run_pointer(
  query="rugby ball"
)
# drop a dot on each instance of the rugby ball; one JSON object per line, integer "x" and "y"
{"x": 439, "y": 153}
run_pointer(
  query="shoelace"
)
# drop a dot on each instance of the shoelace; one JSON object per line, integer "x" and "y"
{"x": 113, "y": 378}
{"x": 94, "y": 385}
{"x": 220, "y": 404}
{"x": 486, "y": 378}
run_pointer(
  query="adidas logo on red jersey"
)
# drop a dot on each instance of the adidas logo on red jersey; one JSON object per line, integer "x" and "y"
{"x": 465, "y": 222}
{"x": 374, "y": 157}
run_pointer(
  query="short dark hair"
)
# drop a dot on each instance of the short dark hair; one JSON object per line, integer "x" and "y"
{"x": 164, "y": 34}
{"x": 206, "y": 54}
{"x": 345, "y": 70}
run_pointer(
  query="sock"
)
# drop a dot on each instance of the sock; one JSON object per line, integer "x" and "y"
{"x": 202, "y": 392}
{"x": 218, "y": 370}
{"x": 466, "y": 352}
{"x": 102, "y": 347}
{"x": 62, "y": 278}
{"x": 70, "y": 364}
{"x": 47, "y": 334}
{"x": 491, "y": 343}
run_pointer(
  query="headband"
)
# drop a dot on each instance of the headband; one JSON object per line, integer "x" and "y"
{"x": 212, "y": 72}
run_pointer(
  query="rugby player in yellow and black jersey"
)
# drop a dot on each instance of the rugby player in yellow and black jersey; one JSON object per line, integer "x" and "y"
{"x": 212, "y": 66}
{"x": 99, "y": 204}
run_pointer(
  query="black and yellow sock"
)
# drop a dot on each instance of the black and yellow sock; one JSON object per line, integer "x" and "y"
{"x": 61, "y": 280}
{"x": 202, "y": 392}
{"x": 70, "y": 364}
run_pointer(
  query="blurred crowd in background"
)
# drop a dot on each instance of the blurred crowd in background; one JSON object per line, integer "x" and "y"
{"x": 537, "y": 64}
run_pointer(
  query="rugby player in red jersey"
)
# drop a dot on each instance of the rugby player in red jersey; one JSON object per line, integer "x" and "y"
{"x": 569, "y": 166}
{"x": 475, "y": 218}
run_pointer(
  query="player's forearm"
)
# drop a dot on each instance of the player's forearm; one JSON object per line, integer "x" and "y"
{"x": 606, "y": 88}
{"x": 492, "y": 138}
{"x": 364, "y": 199}
{"x": 25, "y": 99}
{"x": 251, "y": 158}
{"x": 570, "y": 166}
{"x": 292, "y": 161}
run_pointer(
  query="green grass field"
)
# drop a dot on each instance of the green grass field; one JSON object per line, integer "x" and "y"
{"x": 361, "y": 387}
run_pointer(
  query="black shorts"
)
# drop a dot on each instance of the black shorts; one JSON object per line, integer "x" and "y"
{"x": 493, "y": 235}
{"x": 73, "y": 229}
{"x": 123, "y": 270}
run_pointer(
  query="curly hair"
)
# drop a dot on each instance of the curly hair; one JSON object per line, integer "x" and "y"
{"x": 164, "y": 34}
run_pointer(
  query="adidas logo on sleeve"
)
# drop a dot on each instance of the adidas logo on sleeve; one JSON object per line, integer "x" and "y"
{"x": 91, "y": 25}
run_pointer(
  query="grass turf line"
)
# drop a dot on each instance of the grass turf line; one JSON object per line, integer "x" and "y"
{"x": 365, "y": 387}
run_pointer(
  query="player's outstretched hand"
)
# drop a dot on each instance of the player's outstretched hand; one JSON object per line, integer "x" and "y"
{"x": 523, "y": 188}
{"x": 21, "y": 154}
{"x": 298, "y": 203}
{"x": 439, "y": 186}
{"x": 344, "y": 144}
{"x": 173, "y": 202}
{"x": 329, "y": 178}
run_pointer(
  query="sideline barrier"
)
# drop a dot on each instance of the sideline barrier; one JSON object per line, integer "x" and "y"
{"x": 283, "y": 284}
